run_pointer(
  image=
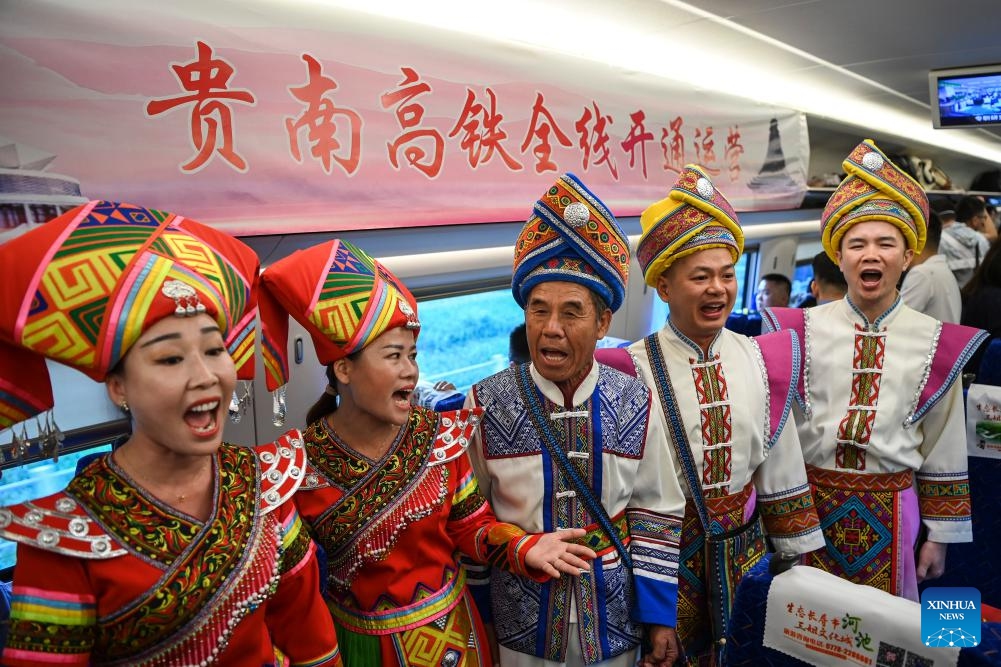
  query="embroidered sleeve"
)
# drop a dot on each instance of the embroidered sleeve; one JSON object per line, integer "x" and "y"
{"x": 477, "y": 533}
{"x": 784, "y": 498}
{"x": 297, "y": 617}
{"x": 942, "y": 480}
{"x": 53, "y": 612}
{"x": 654, "y": 515}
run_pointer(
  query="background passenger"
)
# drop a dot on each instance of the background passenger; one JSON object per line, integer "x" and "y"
{"x": 176, "y": 548}
{"x": 723, "y": 399}
{"x": 828, "y": 283}
{"x": 566, "y": 441}
{"x": 774, "y": 289}
{"x": 389, "y": 492}
{"x": 962, "y": 243}
{"x": 929, "y": 286}
{"x": 896, "y": 453}
{"x": 982, "y": 300}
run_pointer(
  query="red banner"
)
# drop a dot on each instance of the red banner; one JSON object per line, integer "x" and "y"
{"x": 259, "y": 120}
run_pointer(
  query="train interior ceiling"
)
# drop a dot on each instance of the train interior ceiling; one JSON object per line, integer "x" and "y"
{"x": 854, "y": 69}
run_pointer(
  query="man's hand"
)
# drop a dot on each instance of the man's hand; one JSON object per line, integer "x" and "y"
{"x": 931, "y": 561}
{"x": 664, "y": 647}
{"x": 555, "y": 553}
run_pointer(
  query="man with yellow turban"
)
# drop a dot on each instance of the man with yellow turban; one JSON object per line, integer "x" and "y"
{"x": 881, "y": 417}
{"x": 740, "y": 466}
{"x": 569, "y": 443}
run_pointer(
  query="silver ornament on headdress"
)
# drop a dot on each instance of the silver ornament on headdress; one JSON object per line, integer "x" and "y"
{"x": 704, "y": 188}
{"x": 184, "y": 296}
{"x": 576, "y": 214}
{"x": 412, "y": 321}
{"x": 872, "y": 161}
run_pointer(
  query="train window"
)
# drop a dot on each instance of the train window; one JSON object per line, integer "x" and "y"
{"x": 465, "y": 338}
{"x": 745, "y": 292}
{"x": 35, "y": 480}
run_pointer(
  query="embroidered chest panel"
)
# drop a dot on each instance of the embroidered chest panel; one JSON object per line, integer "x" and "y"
{"x": 379, "y": 499}
{"x": 855, "y": 428}
{"x": 716, "y": 419}
{"x": 217, "y": 567}
{"x": 508, "y": 429}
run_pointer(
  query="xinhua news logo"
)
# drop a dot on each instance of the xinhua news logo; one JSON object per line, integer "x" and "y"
{"x": 950, "y": 617}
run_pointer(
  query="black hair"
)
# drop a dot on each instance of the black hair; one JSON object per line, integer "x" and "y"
{"x": 827, "y": 272}
{"x": 517, "y": 350}
{"x": 780, "y": 279}
{"x": 968, "y": 208}
{"x": 327, "y": 402}
{"x": 934, "y": 234}
{"x": 988, "y": 273}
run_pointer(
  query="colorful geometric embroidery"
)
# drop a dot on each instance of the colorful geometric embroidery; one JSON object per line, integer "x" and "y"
{"x": 449, "y": 640}
{"x": 862, "y": 526}
{"x": 867, "y": 371}
{"x": 727, "y": 513}
{"x": 210, "y": 570}
{"x": 42, "y": 619}
{"x": 537, "y": 619}
{"x": 791, "y": 513}
{"x": 944, "y": 496}
{"x": 111, "y": 264}
{"x": 717, "y": 425}
{"x": 379, "y": 500}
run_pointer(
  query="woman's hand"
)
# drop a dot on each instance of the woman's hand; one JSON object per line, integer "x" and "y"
{"x": 555, "y": 553}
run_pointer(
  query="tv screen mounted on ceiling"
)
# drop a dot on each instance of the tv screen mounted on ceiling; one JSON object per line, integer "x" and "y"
{"x": 965, "y": 96}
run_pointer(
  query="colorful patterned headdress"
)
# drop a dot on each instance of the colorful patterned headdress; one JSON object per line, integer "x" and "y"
{"x": 572, "y": 237}
{"x": 83, "y": 287}
{"x": 694, "y": 216}
{"x": 343, "y": 297}
{"x": 874, "y": 189}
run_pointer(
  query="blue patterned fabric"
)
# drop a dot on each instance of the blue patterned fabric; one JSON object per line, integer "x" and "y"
{"x": 605, "y": 595}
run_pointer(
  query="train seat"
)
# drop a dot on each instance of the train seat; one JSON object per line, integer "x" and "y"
{"x": 748, "y": 324}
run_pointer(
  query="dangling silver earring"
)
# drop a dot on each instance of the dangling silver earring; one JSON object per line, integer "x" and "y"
{"x": 279, "y": 407}
{"x": 239, "y": 402}
{"x": 124, "y": 406}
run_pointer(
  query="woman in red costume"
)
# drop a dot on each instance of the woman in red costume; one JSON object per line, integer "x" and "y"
{"x": 176, "y": 548}
{"x": 389, "y": 492}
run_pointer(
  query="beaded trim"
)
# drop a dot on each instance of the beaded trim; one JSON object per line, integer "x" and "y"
{"x": 767, "y": 432}
{"x": 804, "y": 400}
{"x": 911, "y": 414}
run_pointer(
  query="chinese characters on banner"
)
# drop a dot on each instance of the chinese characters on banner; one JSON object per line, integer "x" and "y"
{"x": 318, "y": 125}
{"x": 478, "y": 130}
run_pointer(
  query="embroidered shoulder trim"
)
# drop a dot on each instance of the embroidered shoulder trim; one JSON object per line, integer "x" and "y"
{"x": 780, "y": 354}
{"x": 283, "y": 467}
{"x": 455, "y": 429}
{"x": 797, "y": 320}
{"x": 58, "y": 523}
{"x": 951, "y": 347}
{"x": 314, "y": 479}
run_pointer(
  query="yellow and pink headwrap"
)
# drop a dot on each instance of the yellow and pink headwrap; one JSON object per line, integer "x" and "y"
{"x": 571, "y": 237}
{"x": 694, "y": 216}
{"x": 874, "y": 189}
{"x": 343, "y": 297}
{"x": 82, "y": 288}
